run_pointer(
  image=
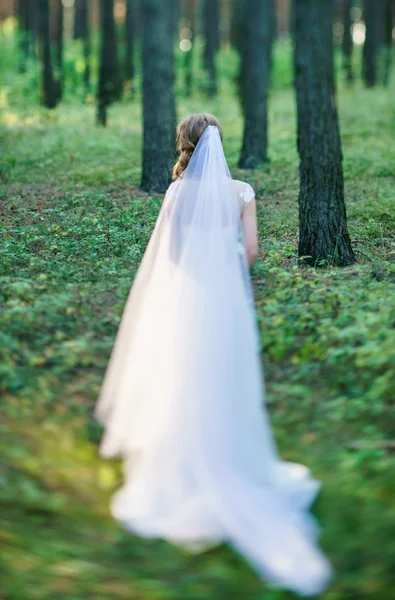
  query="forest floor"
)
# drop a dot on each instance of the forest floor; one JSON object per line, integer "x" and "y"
{"x": 74, "y": 228}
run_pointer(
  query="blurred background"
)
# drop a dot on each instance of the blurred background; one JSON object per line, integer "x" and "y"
{"x": 90, "y": 93}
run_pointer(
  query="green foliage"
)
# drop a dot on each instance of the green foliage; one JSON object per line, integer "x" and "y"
{"x": 74, "y": 228}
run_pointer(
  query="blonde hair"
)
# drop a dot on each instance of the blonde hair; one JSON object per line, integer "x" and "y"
{"x": 189, "y": 132}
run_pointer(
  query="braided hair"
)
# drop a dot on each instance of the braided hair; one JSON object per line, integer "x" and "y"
{"x": 189, "y": 132}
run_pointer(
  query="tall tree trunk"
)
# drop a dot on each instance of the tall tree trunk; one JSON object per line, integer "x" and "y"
{"x": 225, "y": 22}
{"x": 348, "y": 43}
{"x": 211, "y": 31}
{"x": 56, "y": 19}
{"x": 49, "y": 88}
{"x": 190, "y": 13}
{"x": 81, "y": 19}
{"x": 34, "y": 26}
{"x": 159, "y": 112}
{"x": 273, "y": 21}
{"x": 256, "y": 46}
{"x": 373, "y": 16}
{"x": 237, "y": 18}
{"x": 109, "y": 80}
{"x": 81, "y": 31}
{"x": 388, "y": 42}
{"x": 323, "y": 231}
{"x": 130, "y": 33}
{"x": 175, "y": 8}
{"x": 94, "y": 6}
{"x": 24, "y": 33}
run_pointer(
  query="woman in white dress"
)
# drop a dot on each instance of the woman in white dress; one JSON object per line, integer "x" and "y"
{"x": 183, "y": 399}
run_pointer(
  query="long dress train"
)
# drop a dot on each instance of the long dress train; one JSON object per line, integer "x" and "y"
{"x": 182, "y": 400}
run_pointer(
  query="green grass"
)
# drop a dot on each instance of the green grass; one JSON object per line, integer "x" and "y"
{"x": 74, "y": 228}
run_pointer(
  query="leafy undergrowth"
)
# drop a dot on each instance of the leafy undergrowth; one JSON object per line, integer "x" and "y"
{"x": 74, "y": 230}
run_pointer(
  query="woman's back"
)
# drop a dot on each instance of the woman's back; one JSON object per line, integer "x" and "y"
{"x": 244, "y": 192}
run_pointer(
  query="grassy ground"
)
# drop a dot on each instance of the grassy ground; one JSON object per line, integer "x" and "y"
{"x": 74, "y": 230}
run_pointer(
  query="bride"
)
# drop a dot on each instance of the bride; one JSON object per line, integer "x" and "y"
{"x": 182, "y": 399}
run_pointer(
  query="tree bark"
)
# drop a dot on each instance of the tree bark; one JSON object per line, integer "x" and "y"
{"x": 190, "y": 7}
{"x": 211, "y": 14}
{"x": 388, "y": 41}
{"x": 175, "y": 8}
{"x": 56, "y": 19}
{"x": 94, "y": 6}
{"x": 348, "y": 43}
{"x": 24, "y": 33}
{"x": 323, "y": 234}
{"x": 256, "y": 45}
{"x": 130, "y": 34}
{"x": 49, "y": 87}
{"x": 34, "y": 25}
{"x": 159, "y": 112}
{"x": 81, "y": 19}
{"x": 236, "y": 29}
{"x": 373, "y": 16}
{"x": 109, "y": 88}
{"x": 81, "y": 32}
{"x": 225, "y": 11}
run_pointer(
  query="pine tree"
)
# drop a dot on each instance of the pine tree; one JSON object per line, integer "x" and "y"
{"x": 255, "y": 43}
{"x": 159, "y": 113}
{"x": 348, "y": 43}
{"x": 81, "y": 32}
{"x": 109, "y": 88}
{"x": 211, "y": 15}
{"x": 49, "y": 86}
{"x": 323, "y": 234}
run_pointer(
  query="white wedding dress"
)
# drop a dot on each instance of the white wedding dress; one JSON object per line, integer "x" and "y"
{"x": 183, "y": 400}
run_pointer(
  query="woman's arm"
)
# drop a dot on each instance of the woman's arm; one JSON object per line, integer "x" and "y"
{"x": 250, "y": 231}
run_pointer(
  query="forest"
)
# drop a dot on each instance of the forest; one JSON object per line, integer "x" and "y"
{"x": 90, "y": 95}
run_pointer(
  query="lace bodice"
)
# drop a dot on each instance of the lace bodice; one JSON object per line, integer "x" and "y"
{"x": 244, "y": 191}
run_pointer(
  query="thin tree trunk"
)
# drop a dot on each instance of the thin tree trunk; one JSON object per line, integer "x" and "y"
{"x": 94, "y": 6}
{"x": 49, "y": 88}
{"x": 34, "y": 26}
{"x": 388, "y": 27}
{"x": 57, "y": 44}
{"x": 372, "y": 15}
{"x": 130, "y": 32}
{"x": 256, "y": 46}
{"x": 273, "y": 22}
{"x": 159, "y": 113}
{"x": 24, "y": 33}
{"x": 211, "y": 30}
{"x": 175, "y": 8}
{"x": 225, "y": 22}
{"x": 109, "y": 80}
{"x": 87, "y": 65}
{"x": 237, "y": 18}
{"x": 348, "y": 43}
{"x": 81, "y": 31}
{"x": 81, "y": 19}
{"x": 323, "y": 230}
{"x": 188, "y": 63}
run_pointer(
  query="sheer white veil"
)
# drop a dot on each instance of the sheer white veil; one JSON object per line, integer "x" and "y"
{"x": 193, "y": 275}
